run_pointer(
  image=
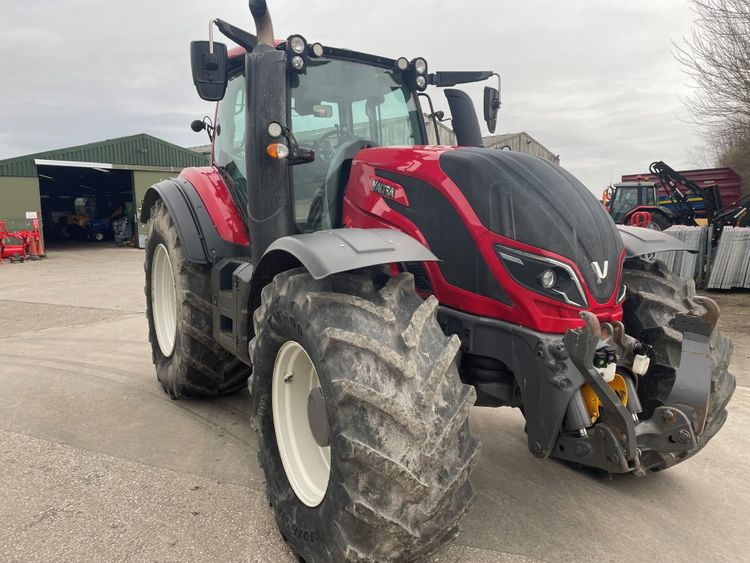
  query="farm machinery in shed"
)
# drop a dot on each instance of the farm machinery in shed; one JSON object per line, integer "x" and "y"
{"x": 370, "y": 289}
{"x": 19, "y": 246}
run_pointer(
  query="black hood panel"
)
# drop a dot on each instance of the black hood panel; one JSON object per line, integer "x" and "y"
{"x": 538, "y": 203}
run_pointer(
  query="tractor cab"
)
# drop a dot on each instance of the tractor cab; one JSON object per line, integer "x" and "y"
{"x": 337, "y": 107}
{"x": 627, "y": 196}
{"x": 292, "y": 115}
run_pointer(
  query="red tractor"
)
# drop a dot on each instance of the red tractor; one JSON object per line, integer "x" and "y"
{"x": 370, "y": 288}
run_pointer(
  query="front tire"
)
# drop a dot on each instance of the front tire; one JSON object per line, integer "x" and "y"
{"x": 396, "y": 417}
{"x": 189, "y": 362}
{"x": 654, "y": 297}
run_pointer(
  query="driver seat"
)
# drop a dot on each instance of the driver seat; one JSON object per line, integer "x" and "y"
{"x": 336, "y": 178}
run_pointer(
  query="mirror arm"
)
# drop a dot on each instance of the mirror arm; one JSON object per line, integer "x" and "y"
{"x": 211, "y": 63}
{"x": 211, "y": 36}
{"x": 433, "y": 116}
{"x": 499, "y": 90}
{"x": 297, "y": 155}
{"x": 209, "y": 128}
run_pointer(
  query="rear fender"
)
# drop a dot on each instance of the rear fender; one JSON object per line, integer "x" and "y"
{"x": 198, "y": 235}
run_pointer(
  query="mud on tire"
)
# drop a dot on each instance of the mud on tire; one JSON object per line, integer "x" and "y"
{"x": 654, "y": 297}
{"x": 198, "y": 366}
{"x": 401, "y": 450}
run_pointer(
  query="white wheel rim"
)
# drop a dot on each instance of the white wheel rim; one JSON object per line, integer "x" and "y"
{"x": 163, "y": 300}
{"x": 307, "y": 465}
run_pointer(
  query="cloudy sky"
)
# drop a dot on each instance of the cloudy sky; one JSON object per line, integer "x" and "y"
{"x": 593, "y": 80}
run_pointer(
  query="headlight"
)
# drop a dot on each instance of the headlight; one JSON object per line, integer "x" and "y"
{"x": 543, "y": 275}
{"x": 275, "y": 130}
{"x": 297, "y": 44}
{"x": 420, "y": 65}
{"x": 421, "y": 82}
{"x": 548, "y": 279}
{"x": 298, "y": 62}
{"x": 402, "y": 64}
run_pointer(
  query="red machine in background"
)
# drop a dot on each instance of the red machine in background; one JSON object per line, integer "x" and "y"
{"x": 19, "y": 246}
{"x": 668, "y": 197}
{"x": 726, "y": 181}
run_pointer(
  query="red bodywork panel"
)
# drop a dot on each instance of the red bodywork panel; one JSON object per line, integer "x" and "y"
{"x": 365, "y": 208}
{"x": 215, "y": 195}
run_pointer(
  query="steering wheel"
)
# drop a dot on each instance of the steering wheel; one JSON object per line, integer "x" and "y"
{"x": 324, "y": 200}
{"x": 325, "y": 149}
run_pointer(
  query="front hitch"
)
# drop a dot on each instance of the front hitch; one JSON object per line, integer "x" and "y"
{"x": 611, "y": 443}
{"x": 618, "y": 439}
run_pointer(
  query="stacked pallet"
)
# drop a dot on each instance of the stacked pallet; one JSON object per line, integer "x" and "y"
{"x": 686, "y": 264}
{"x": 731, "y": 264}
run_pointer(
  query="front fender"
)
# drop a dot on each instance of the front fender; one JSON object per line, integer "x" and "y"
{"x": 339, "y": 250}
{"x": 333, "y": 251}
{"x": 639, "y": 241}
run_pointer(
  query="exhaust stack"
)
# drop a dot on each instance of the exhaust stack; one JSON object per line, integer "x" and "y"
{"x": 263, "y": 23}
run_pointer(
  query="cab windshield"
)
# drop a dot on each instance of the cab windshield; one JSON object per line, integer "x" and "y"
{"x": 338, "y": 108}
{"x": 629, "y": 197}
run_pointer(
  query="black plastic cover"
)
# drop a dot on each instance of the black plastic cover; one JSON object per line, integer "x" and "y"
{"x": 462, "y": 264}
{"x": 240, "y": 36}
{"x": 268, "y": 195}
{"x": 533, "y": 201}
{"x": 453, "y": 78}
{"x": 209, "y": 69}
{"x": 464, "y": 118}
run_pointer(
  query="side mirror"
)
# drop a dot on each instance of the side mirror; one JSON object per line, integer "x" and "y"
{"x": 491, "y": 107}
{"x": 209, "y": 65}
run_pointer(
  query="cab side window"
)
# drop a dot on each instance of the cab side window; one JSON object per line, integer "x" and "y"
{"x": 229, "y": 144}
{"x": 230, "y": 125}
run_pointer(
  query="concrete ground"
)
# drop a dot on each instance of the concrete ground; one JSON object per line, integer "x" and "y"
{"x": 98, "y": 464}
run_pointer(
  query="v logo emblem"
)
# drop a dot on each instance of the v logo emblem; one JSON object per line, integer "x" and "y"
{"x": 600, "y": 272}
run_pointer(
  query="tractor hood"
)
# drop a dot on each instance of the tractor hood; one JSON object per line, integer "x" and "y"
{"x": 535, "y": 202}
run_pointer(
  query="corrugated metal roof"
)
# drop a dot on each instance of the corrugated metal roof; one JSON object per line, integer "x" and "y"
{"x": 202, "y": 149}
{"x": 135, "y": 150}
{"x": 521, "y": 142}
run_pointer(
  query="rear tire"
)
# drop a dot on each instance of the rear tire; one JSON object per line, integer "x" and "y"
{"x": 400, "y": 447}
{"x": 654, "y": 297}
{"x": 189, "y": 362}
{"x": 73, "y": 232}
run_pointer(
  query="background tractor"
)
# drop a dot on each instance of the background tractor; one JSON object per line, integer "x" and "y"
{"x": 673, "y": 200}
{"x": 336, "y": 264}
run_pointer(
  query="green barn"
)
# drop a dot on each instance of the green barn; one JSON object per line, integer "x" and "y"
{"x": 108, "y": 178}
